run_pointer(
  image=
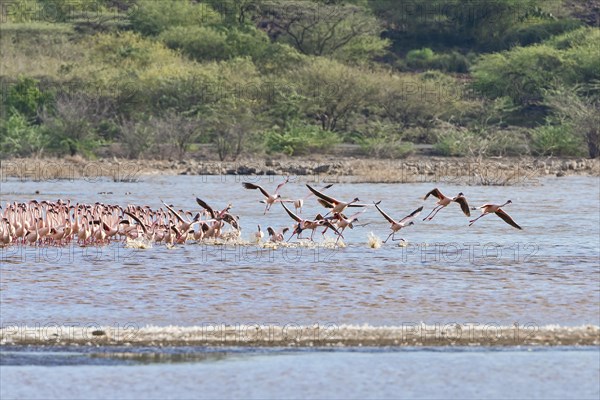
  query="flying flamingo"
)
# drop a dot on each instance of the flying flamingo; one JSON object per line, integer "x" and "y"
{"x": 299, "y": 203}
{"x": 222, "y": 215}
{"x": 336, "y": 206}
{"x": 443, "y": 201}
{"x": 303, "y": 224}
{"x": 397, "y": 225}
{"x": 495, "y": 208}
{"x": 270, "y": 199}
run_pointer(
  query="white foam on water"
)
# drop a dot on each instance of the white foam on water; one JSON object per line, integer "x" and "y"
{"x": 346, "y": 334}
{"x": 373, "y": 241}
{"x": 138, "y": 243}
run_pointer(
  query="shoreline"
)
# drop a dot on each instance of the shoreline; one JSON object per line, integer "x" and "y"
{"x": 490, "y": 171}
{"x": 327, "y": 335}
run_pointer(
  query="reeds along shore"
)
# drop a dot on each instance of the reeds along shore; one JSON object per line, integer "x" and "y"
{"x": 506, "y": 171}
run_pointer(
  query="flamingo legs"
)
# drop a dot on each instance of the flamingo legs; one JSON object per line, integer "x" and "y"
{"x": 473, "y": 220}
{"x": 434, "y": 212}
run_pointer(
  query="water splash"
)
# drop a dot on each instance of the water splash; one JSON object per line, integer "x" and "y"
{"x": 138, "y": 243}
{"x": 373, "y": 241}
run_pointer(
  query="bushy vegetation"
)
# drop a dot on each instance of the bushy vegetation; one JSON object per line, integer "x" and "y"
{"x": 155, "y": 79}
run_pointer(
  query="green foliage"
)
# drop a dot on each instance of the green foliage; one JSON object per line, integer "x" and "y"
{"x": 383, "y": 141}
{"x": 129, "y": 50}
{"x": 234, "y": 134}
{"x": 26, "y": 98}
{"x": 153, "y": 17}
{"x": 556, "y": 140}
{"x": 480, "y": 25}
{"x": 198, "y": 42}
{"x": 579, "y": 107}
{"x": 72, "y": 125}
{"x": 138, "y": 137}
{"x": 425, "y": 59}
{"x": 333, "y": 92}
{"x": 535, "y": 31}
{"x": 454, "y": 143}
{"x": 344, "y": 31}
{"x": 206, "y": 44}
{"x": 420, "y": 56}
{"x": 524, "y": 73}
{"x": 478, "y": 143}
{"x": 166, "y": 75}
{"x": 18, "y": 137}
{"x": 299, "y": 139}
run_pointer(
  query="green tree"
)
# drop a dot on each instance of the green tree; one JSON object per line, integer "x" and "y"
{"x": 340, "y": 30}
{"x": 26, "y": 98}
{"x": 333, "y": 92}
{"x": 72, "y": 126}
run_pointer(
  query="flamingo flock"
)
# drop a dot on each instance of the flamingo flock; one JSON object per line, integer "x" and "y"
{"x": 62, "y": 222}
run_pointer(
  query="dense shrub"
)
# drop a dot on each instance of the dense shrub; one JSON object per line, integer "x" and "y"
{"x": 524, "y": 73}
{"x": 205, "y": 44}
{"x": 19, "y": 138}
{"x": 152, "y": 17}
{"x": 556, "y": 140}
{"x": 425, "y": 59}
{"x": 299, "y": 139}
{"x": 26, "y": 98}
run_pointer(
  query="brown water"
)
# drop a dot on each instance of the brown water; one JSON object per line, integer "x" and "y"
{"x": 489, "y": 273}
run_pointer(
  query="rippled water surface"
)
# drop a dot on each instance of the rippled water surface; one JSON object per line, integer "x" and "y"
{"x": 449, "y": 272}
{"x": 567, "y": 373}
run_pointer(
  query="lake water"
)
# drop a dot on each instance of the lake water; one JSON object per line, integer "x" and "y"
{"x": 489, "y": 273}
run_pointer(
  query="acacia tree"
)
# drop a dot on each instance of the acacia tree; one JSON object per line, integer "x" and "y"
{"x": 73, "y": 122}
{"x": 322, "y": 28}
{"x": 232, "y": 123}
{"x": 332, "y": 92}
{"x": 180, "y": 130}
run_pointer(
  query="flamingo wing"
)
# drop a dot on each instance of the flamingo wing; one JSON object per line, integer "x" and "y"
{"x": 287, "y": 179}
{"x": 354, "y": 216}
{"x": 230, "y": 219}
{"x": 434, "y": 192}
{"x": 321, "y": 189}
{"x": 204, "y": 205}
{"x": 387, "y": 217}
{"x": 322, "y": 196}
{"x": 136, "y": 219}
{"x": 252, "y": 186}
{"x": 507, "y": 218}
{"x": 179, "y": 218}
{"x": 291, "y": 214}
{"x": 325, "y": 203}
{"x": 411, "y": 215}
{"x": 463, "y": 205}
